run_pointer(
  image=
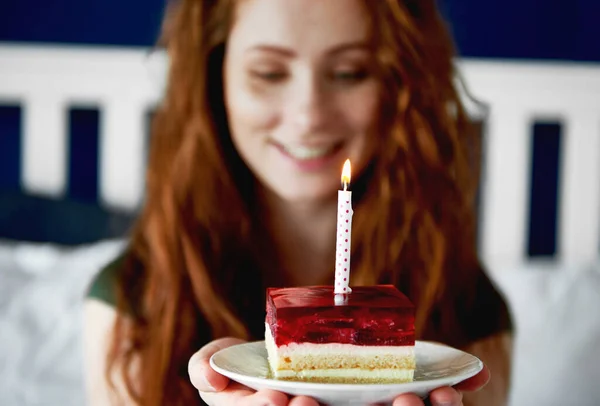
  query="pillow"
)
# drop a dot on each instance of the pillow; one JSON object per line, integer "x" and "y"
{"x": 556, "y": 347}
{"x": 41, "y": 298}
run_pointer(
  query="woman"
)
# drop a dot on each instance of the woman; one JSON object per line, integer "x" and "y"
{"x": 265, "y": 100}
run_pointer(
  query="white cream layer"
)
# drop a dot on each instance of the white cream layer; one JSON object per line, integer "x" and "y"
{"x": 384, "y": 375}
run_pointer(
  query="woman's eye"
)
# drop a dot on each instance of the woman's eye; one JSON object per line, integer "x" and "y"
{"x": 349, "y": 76}
{"x": 268, "y": 76}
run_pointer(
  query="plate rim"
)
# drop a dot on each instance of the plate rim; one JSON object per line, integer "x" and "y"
{"x": 283, "y": 384}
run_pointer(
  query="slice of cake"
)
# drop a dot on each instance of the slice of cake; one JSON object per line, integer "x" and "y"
{"x": 368, "y": 337}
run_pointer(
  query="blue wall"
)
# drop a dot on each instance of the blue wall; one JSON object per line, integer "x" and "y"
{"x": 530, "y": 29}
{"x": 113, "y": 22}
{"x": 526, "y": 29}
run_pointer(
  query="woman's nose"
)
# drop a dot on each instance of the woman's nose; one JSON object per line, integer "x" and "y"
{"x": 310, "y": 112}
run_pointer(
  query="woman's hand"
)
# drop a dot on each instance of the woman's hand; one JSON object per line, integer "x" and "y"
{"x": 216, "y": 389}
{"x": 447, "y": 396}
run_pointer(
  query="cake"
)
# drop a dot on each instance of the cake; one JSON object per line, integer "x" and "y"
{"x": 366, "y": 336}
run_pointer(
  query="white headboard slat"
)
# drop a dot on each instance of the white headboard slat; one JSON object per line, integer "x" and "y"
{"x": 44, "y": 160}
{"x": 505, "y": 184}
{"x": 579, "y": 216}
{"x": 122, "y": 147}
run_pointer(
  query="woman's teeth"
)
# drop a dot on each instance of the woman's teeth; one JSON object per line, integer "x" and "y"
{"x": 307, "y": 152}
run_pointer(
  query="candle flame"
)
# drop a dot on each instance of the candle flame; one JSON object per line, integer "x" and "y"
{"x": 346, "y": 174}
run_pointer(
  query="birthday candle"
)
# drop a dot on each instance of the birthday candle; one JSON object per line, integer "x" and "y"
{"x": 344, "y": 232}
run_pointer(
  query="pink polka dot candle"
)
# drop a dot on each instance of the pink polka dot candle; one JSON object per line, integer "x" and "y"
{"x": 344, "y": 232}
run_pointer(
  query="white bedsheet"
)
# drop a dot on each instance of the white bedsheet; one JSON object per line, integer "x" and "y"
{"x": 557, "y": 347}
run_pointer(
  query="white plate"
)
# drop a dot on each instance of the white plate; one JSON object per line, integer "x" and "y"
{"x": 437, "y": 365}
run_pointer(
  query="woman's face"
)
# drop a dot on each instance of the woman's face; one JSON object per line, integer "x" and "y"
{"x": 301, "y": 93}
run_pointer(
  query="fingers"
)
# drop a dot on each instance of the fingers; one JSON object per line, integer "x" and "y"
{"x": 408, "y": 399}
{"x": 303, "y": 401}
{"x": 266, "y": 397}
{"x": 234, "y": 393}
{"x": 445, "y": 396}
{"x": 476, "y": 382}
{"x": 202, "y": 376}
{"x": 237, "y": 394}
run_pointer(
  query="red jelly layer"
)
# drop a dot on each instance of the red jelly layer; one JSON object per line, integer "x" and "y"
{"x": 371, "y": 315}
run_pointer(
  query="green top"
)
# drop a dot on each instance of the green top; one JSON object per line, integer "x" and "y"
{"x": 104, "y": 285}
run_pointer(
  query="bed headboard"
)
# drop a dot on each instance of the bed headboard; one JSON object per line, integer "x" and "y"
{"x": 520, "y": 94}
{"x": 44, "y": 81}
{"x": 125, "y": 84}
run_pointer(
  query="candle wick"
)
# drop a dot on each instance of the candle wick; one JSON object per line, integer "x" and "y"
{"x": 345, "y": 186}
